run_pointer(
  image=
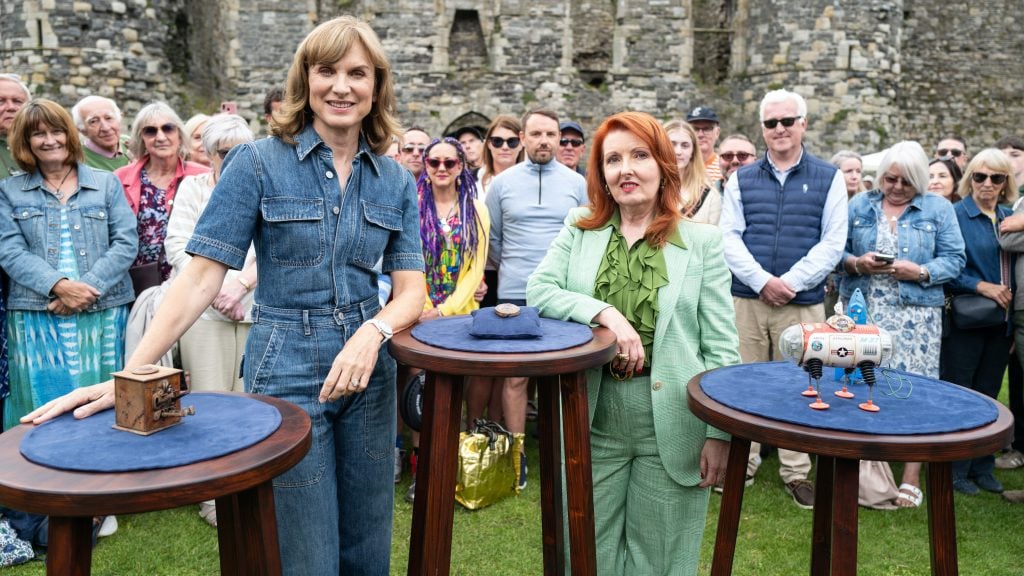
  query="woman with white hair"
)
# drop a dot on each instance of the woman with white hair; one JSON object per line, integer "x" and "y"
{"x": 212, "y": 349}
{"x": 194, "y": 128}
{"x": 150, "y": 182}
{"x": 852, "y": 167}
{"x": 903, "y": 245}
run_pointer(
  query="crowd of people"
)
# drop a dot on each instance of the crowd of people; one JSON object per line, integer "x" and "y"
{"x": 697, "y": 253}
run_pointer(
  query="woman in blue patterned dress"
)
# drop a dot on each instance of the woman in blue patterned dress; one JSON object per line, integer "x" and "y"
{"x": 904, "y": 293}
{"x": 67, "y": 238}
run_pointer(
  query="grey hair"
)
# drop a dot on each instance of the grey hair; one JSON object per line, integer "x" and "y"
{"x": 912, "y": 161}
{"x": 225, "y": 128}
{"x": 17, "y": 80}
{"x": 844, "y": 155}
{"x": 137, "y": 147}
{"x": 76, "y": 110}
{"x": 777, "y": 96}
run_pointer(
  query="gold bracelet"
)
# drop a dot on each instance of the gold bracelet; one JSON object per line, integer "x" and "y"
{"x": 244, "y": 284}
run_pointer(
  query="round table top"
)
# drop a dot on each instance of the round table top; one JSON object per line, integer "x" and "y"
{"x": 30, "y": 487}
{"x": 939, "y": 447}
{"x": 412, "y": 352}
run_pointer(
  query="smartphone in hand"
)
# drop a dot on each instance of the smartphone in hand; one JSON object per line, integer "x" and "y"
{"x": 887, "y": 258}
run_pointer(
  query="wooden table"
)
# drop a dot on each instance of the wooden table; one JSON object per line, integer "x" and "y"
{"x": 559, "y": 374}
{"x": 834, "y": 535}
{"x": 240, "y": 482}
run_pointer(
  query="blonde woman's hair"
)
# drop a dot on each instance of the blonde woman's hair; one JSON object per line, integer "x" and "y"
{"x": 693, "y": 179}
{"x": 327, "y": 44}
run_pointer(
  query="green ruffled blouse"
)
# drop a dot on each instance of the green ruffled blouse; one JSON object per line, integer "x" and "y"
{"x": 629, "y": 279}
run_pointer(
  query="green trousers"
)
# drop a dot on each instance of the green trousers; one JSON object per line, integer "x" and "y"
{"x": 645, "y": 523}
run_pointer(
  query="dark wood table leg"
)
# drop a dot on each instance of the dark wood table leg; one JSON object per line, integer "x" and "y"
{"x": 70, "y": 549}
{"x": 549, "y": 422}
{"x": 942, "y": 519}
{"x": 821, "y": 531}
{"x": 844, "y": 517}
{"x": 247, "y": 533}
{"x": 732, "y": 503}
{"x": 578, "y": 473}
{"x": 434, "y": 507}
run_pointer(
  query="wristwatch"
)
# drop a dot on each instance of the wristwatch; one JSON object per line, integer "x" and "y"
{"x": 922, "y": 275}
{"x": 383, "y": 327}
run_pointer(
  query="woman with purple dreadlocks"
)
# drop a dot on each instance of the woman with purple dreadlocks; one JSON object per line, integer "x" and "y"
{"x": 453, "y": 230}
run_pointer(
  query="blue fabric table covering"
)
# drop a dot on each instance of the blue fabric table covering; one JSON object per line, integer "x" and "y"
{"x": 223, "y": 424}
{"x": 772, "y": 390}
{"x": 487, "y": 324}
{"x": 453, "y": 333}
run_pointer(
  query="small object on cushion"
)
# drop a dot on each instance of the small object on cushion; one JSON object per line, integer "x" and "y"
{"x": 488, "y": 324}
{"x": 910, "y": 496}
{"x": 506, "y": 310}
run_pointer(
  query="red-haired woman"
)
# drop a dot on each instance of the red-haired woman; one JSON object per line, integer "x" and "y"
{"x": 621, "y": 263}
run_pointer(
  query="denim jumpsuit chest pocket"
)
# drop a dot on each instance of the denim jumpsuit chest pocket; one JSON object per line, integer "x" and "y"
{"x": 295, "y": 230}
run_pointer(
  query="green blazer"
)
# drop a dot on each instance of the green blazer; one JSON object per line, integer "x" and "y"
{"x": 695, "y": 330}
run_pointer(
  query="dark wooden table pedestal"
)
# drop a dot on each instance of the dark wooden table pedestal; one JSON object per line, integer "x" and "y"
{"x": 240, "y": 482}
{"x": 834, "y": 535}
{"x": 560, "y": 376}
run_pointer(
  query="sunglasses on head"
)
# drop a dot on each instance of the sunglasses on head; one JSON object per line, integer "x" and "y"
{"x": 893, "y": 180}
{"x": 739, "y": 156}
{"x": 498, "y": 142}
{"x": 980, "y": 177}
{"x": 786, "y": 122}
{"x": 954, "y": 152}
{"x": 449, "y": 163}
{"x": 410, "y": 148}
{"x": 150, "y": 131}
{"x": 574, "y": 142}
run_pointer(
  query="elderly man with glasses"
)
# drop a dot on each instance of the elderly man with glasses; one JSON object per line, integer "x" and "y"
{"x": 572, "y": 147}
{"x": 784, "y": 223}
{"x": 99, "y": 120}
{"x": 13, "y": 95}
{"x": 705, "y": 123}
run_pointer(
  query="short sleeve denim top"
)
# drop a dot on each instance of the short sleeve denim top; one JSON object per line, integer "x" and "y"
{"x": 316, "y": 244}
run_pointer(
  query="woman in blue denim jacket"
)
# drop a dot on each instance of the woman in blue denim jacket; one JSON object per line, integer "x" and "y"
{"x": 976, "y": 358}
{"x": 323, "y": 207}
{"x": 67, "y": 238}
{"x": 904, "y": 244}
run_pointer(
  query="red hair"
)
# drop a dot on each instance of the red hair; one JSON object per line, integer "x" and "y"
{"x": 603, "y": 206}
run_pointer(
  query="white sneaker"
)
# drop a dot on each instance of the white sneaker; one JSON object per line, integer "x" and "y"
{"x": 398, "y": 464}
{"x": 108, "y": 527}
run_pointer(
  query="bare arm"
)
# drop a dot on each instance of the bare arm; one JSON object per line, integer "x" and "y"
{"x": 189, "y": 295}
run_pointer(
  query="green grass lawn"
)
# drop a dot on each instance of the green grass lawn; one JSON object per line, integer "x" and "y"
{"x": 505, "y": 539}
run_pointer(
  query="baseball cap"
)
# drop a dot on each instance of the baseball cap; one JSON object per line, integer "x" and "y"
{"x": 468, "y": 129}
{"x": 702, "y": 113}
{"x": 570, "y": 125}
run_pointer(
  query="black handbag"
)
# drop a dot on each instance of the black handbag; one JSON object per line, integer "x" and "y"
{"x": 972, "y": 311}
{"x": 410, "y": 405}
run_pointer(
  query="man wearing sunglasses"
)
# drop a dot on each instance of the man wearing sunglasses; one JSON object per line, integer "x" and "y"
{"x": 414, "y": 142}
{"x": 784, "y": 222}
{"x": 953, "y": 147}
{"x": 571, "y": 146}
{"x": 99, "y": 120}
{"x": 736, "y": 150}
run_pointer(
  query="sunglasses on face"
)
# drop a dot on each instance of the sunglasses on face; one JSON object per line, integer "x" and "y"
{"x": 980, "y": 177}
{"x": 410, "y": 148}
{"x": 449, "y": 163}
{"x": 738, "y": 156}
{"x": 574, "y": 142}
{"x": 498, "y": 142}
{"x": 893, "y": 180}
{"x": 168, "y": 129}
{"x": 786, "y": 122}
{"x": 954, "y": 152}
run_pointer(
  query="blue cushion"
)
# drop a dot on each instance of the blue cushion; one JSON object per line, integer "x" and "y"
{"x": 453, "y": 333}
{"x": 487, "y": 324}
{"x": 223, "y": 424}
{"x": 910, "y": 403}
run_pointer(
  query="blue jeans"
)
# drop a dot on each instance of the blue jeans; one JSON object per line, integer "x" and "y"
{"x": 334, "y": 508}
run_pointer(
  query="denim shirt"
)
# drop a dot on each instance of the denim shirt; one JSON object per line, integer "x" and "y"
{"x": 928, "y": 235}
{"x": 982, "y": 240}
{"x": 103, "y": 231}
{"x": 316, "y": 241}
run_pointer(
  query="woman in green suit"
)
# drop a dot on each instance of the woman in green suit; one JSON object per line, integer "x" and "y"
{"x": 631, "y": 263}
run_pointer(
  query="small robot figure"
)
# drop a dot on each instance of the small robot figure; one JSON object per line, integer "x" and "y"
{"x": 840, "y": 343}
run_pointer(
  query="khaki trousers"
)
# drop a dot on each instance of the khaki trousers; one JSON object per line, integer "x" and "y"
{"x": 212, "y": 351}
{"x": 759, "y": 326}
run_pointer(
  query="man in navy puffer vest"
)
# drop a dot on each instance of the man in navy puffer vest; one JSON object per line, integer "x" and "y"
{"x": 784, "y": 224}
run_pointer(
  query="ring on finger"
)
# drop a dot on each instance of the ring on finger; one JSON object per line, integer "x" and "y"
{"x": 622, "y": 356}
{"x": 354, "y": 383}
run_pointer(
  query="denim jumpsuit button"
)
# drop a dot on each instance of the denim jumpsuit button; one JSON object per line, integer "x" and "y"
{"x": 78, "y": 227}
{"x": 336, "y": 210}
{"x": 330, "y": 174}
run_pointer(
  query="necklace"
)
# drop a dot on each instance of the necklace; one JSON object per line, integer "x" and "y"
{"x": 446, "y": 228}
{"x": 57, "y": 192}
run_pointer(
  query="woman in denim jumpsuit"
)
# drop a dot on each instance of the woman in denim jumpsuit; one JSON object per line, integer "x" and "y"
{"x": 322, "y": 207}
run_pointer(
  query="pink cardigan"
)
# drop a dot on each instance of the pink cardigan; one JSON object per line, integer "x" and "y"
{"x": 131, "y": 179}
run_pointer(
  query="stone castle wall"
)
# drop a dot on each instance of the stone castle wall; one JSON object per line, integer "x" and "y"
{"x": 873, "y": 71}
